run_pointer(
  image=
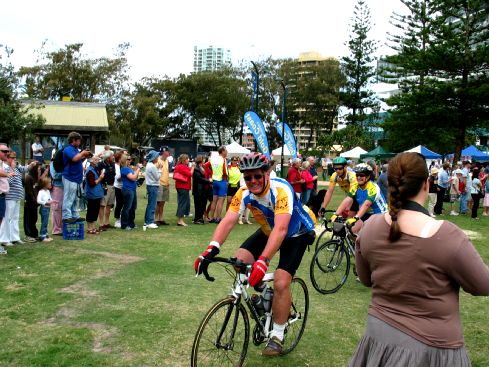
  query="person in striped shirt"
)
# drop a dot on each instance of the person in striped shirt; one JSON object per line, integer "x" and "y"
{"x": 9, "y": 229}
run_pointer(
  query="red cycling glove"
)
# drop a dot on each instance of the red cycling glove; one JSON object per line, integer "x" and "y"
{"x": 210, "y": 253}
{"x": 259, "y": 270}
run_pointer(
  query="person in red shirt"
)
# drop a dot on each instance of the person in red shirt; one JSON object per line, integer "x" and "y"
{"x": 294, "y": 177}
{"x": 309, "y": 182}
{"x": 183, "y": 183}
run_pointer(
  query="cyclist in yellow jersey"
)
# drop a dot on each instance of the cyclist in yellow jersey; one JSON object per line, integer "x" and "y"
{"x": 345, "y": 180}
{"x": 219, "y": 184}
{"x": 368, "y": 196}
{"x": 234, "y": 175}
{"x": 285, "y": 225}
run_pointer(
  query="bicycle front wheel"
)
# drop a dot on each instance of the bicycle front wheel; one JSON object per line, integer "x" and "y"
{"x": 330, "y": 266}
{"x": 222, "y": 337}
{"x": 299, "y": 310}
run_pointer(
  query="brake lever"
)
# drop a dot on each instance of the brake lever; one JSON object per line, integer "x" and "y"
{"x": 202, "y": 269}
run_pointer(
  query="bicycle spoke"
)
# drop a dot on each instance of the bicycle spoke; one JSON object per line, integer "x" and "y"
{"x": 222, "y": 338}
{"x": 329, "y": 267}
{"x": 298, "y": 314}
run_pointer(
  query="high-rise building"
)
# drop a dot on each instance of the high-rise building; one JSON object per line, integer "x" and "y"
{"x": 302, "y": 131}
{"x": 210, "y": 58}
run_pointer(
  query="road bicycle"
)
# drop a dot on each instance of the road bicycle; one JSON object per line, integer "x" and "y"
{"x": 330, "y": 264}
{"x": 222, "y": 338}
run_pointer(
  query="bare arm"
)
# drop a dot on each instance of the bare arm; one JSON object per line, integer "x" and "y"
{"x": 81, "y": 156}
{"x": 327, "y": 196}
{"x": 133, "y": 176}
{"x": 364, "y": 208}
{"x": 345, "y": 204}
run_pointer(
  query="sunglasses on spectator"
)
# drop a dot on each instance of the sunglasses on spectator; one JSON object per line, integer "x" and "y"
{"x": 4, "y": 151}
{"x": 338, "y": 168}
{"x": 256, "y": 177}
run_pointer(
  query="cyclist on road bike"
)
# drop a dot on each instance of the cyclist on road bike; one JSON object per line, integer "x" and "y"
{"x": 285, "y": 225}
{"x": 345, "y": 180}
{"x": 368, "y": 195}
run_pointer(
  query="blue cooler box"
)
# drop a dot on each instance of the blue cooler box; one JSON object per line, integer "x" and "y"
{"x": 73, "y": 231}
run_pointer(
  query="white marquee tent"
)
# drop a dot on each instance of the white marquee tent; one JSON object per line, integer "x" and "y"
{"x": 278, "y": 152}
{"x": 353, "y": 153}
{"x": 236, "y": 149}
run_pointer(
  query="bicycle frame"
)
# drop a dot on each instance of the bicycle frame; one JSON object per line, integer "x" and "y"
{"x": 239, "y": 292}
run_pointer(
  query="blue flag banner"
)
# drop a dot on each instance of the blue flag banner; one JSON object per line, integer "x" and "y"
{"x": 258, "y": 130}
{"x": 288, "y": 139}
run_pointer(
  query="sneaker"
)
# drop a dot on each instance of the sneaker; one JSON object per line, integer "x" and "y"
{"x": 3, "y": 251}
{"x": 7, "y": 244}
{"x": 19, "y": 242}
{"x": 453, "y": 213}
{"x": 274, "y": 347}
{"x": 152, "y": 226}
{"x": 240, "y": 221}
{"x": 128, "y": 229}
{"x": 117, "y": 224}
{"x": 30, "y": 239}
{"x": 47, "y": 239}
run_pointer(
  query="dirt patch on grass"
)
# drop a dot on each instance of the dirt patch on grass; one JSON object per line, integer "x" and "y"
{"x": 123, "y": 259}
{"x": 67, "y": 314}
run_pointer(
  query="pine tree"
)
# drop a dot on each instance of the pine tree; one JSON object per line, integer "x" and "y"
{"x": 442, "y": 70}
{"x": 358, "y": 69}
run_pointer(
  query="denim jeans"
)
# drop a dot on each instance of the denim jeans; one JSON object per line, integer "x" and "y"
{"x": 306, "y": 196}
{"x": 44, "y": 212}
{"x": 149, "y": 216}
{"x": 70, "y": 199}
{"x": 463, "y": 202}
{"x": 128, "y": 208}
{"x": 183, "y": 202}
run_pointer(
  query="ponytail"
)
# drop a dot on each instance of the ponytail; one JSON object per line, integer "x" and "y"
{"x": 405, "y": 176}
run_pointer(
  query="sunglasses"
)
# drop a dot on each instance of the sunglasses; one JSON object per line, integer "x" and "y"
{"x": 338, "y": 168}
{"x": 256, "y": 177}
{"x": 361, "y": 175}
{"x": 5, "y": 151}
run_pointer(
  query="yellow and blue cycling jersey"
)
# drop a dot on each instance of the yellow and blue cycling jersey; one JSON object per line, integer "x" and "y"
{"x": 278, "y": 198}
{"x": 344, "y": 183}
{"x": 372, "y": 193}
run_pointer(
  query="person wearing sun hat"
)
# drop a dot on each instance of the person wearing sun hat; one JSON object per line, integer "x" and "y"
{"x": 152, "y": 187}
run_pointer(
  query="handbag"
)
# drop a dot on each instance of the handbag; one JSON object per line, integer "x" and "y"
{"x": 177, "y": 176}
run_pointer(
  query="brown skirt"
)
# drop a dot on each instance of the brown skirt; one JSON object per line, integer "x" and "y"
{"x": 386, "y": 346}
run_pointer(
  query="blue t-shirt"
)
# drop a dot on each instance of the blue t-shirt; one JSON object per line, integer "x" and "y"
{"x": 127, "y": 184}
{"x": 73, "y": 171}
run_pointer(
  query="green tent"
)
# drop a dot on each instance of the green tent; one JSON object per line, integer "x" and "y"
{"x": 377, "y": 153}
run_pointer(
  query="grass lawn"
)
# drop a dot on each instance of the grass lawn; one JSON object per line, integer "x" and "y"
{"x": 131, "y": 299}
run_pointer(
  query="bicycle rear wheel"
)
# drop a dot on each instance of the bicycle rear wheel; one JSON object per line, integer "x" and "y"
{"x": 222, "y": 337}
{"x": 330, "y": 266}
{"x": 297, "y": 315}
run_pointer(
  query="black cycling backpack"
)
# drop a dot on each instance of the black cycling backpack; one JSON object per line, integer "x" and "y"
{"x": 58, "y": 161}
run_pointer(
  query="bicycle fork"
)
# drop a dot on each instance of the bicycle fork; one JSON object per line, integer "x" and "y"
{"x": 230, "y": 344}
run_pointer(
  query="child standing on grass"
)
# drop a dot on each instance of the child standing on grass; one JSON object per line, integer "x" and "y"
{"x": 45, "y": 201}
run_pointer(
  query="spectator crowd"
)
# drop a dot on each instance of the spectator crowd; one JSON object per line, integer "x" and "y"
{"x": 106, "y": 183}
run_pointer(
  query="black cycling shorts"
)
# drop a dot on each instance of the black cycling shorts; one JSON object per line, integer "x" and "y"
{"x": 354, "y": 207}
{"x": 291, "y": 251}
{"x": 232, "y": 190}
